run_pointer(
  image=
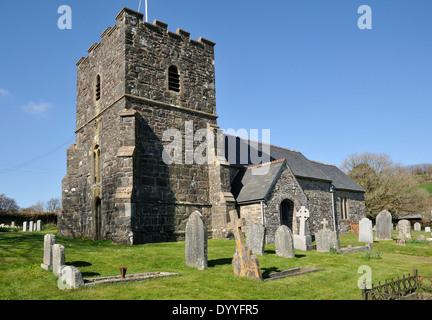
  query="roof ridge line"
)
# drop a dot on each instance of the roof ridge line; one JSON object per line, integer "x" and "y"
{"x": 267, "y": 144}
{"x": 265, "y": 164}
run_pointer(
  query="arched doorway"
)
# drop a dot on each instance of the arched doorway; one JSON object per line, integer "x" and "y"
{"x": 287, "y": 213}
{"x": 98, "y": 219}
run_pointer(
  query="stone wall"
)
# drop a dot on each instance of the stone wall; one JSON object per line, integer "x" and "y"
{"x": 356, "y": 208}
{"x": 320, "y": 203}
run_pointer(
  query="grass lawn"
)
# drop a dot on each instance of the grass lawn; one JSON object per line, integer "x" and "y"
{"x": 22, "y": 278}
{"x": 427, "y": 186}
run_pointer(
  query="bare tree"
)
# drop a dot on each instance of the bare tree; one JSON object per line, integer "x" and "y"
{"x": 53, "y": 204}
{"x": 8, "y": 205}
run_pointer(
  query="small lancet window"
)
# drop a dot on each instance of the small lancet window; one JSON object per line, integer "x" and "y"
{"x": 98, "y": 88}
{"x": 96, "y": 165}
{"x": 173, "y": 79}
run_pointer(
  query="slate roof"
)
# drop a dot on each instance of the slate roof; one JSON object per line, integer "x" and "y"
{"x": 339, "y": 179}
{"x": 248, "y": 188}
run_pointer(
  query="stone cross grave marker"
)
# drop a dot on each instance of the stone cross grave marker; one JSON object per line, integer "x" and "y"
{"x": 301, "y": 240}
{"x": 244, "y": 263}
{"x": 196, "y": 242}
{"x": 303, "y": 214}
{"x": 324, "y": 222}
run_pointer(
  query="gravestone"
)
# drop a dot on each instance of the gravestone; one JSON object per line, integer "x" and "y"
{"x": 13, "y": 224}
{"x": 70, "y": 278}
{"x": 326, "y": 240}
{"x": 58, "y": 257}
{"x": 365, "y": 231}
{"x": 49, "y": 241}
{"x": 196, "y": 242}
{"x": 244, "y": 263}
{"x": 404, "y": 229}
{"x": 24, "y": 226}
{"x": 417, "y": 226}
{"x": 427, "y": 229}
{"x": 39, "y": 225}
{"x": 31, "y": 226}
{"x": 302, "y": 241}
{"x": 383, "y": 226}
{"x": 284, "y": 242}
{"x": 255, "y": 238}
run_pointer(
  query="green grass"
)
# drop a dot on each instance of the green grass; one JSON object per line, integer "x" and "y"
{"x": 22, "y": 278}
{"x": 427, "y": 186}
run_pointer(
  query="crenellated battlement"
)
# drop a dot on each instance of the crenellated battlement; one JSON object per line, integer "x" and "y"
{"x": 134, "y": 18}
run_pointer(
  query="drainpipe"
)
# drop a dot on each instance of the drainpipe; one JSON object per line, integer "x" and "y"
{"x": 333, "y": 206}
{"x": 262, "y": 212}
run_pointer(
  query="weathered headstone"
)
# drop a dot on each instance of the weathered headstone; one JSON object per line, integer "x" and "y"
{"x": 39, "y": 225}
{"x": 58, "y": 257}
{"x": 196, "y": 242}
{"x": 365, "y": 231}
{"x": 31, "y": 226}
{"x": 49, "y": 242}
{"x": 245, "y": 264}
{"x": 70, "y": 278}
{"x": 417, "y": 226}
{"x": 302, "y": 241}
{"x": 383, "y": 226}
{"x": 255, "y": 238}
{"x": 404, "y": 229}
{"x": 326, "y": 240}
{"x": 25, "y": 226}
{"x": 427, "y": 229}
{"x": 13, "y": 224}
{"x": 284, "y": 242}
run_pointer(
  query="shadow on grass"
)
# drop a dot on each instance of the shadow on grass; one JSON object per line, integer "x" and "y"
{"x": 216, "y": 262}
{"x": 79, "y": 264}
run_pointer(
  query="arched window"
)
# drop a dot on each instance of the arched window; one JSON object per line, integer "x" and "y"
{"x": 173, "y": 79}
{"x": 98, "y": 88}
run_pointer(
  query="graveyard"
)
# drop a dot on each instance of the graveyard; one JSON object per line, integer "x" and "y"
{"x": 335, "y": 275}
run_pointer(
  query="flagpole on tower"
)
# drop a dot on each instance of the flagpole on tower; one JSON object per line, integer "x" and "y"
{"x": 139, "y": 7}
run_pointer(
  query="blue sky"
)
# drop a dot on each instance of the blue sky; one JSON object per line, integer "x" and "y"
{"x": 301, "y": 68}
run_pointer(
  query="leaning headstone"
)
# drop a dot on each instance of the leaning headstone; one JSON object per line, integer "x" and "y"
{"x": 39, "y": 225}
{"x": 70, "y": 278}
{"x": 417, "y": 226}
{"x": 365, "y": 231}
{"x": 31, "y": 226}
{"x": 284, "y": 242}
{"x": 196, "y": 242}
{"x": 58, "y": 258}
{"x": 383, "y": 226}
{"x": 255, "y": 238}
{"x": 404, "y": 229}
{"x": 303, "y": 241}
{"x": 427, "y": 229}
{"x": 25, "y": 226}
{"x": 49, "y": 242}
{"x": 245, "y": 264}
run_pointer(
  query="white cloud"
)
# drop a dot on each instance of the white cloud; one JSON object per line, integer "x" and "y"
{"x": 36, "y": 108}
{"x": 4, "y": 93}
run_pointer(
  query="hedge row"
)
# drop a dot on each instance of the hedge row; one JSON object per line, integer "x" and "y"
{"x": 19, "y": 218}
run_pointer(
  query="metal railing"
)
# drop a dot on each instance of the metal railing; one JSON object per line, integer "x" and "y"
{"x": 395, "y": 289}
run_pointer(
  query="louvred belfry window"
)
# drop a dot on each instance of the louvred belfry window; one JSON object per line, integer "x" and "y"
{"x": 98, "y": 88}
{"x": 173, "y": 79}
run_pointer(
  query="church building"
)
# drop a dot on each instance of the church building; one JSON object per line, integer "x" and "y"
{"x": 136, "y": 87}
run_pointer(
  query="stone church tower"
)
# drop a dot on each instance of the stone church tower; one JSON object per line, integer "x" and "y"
{"x": 136, "y": 83}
